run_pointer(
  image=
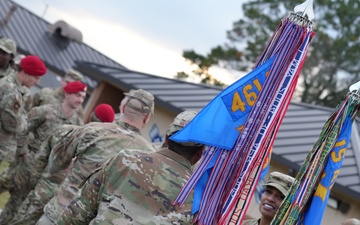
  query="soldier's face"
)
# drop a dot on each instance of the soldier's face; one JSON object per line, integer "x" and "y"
{"x": 4, "y": 59}
{"x": 270, "y": 202}
{"x": 75, "y": 99}
{"x": 30, "y": 81}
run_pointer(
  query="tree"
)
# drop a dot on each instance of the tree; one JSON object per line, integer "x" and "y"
{"x": 203, "y": 64}
{"x": 333, "y": 62}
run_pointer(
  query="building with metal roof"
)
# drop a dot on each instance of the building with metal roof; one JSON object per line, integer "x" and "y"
{"x": 109, "y": 80}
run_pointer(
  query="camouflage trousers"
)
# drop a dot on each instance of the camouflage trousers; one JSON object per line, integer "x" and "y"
{"x": 11, "y": 160}
{"x": 32, "y": 207}
{"x": 15, "y": 180}
{"x": 5, "y": 176}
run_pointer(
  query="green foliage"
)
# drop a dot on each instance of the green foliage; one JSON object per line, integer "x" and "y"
{"x": 181, "y": 75}
{"x": 3, "y": 199}
{"x": 332, "y": 64}
{"x": 203, "y": 64}
{"x": 3, "y": 196}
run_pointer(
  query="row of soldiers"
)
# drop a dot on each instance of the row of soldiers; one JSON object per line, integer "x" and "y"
{"x": 60, "y": 171}
{"x": 26, "y": 120}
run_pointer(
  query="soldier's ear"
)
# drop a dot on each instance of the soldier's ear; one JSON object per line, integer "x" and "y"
{"x": 147, "y": 118}
{"x": 166, "y": 139}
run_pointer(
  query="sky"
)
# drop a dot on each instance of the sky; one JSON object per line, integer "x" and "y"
{"x": 147, "y": 36}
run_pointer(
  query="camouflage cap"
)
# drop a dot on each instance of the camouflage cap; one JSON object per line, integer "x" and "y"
{"x": 180, "y": 121}
{"x": 280, "y": 181}
{"x": 73, "y": 75}
{"x": 146, "y": 99}
{"x": 8, "y": 45}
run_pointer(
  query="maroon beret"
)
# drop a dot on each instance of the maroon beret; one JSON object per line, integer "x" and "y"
{"x": 33, "y": 66}
{"x": 74, "y": 87}
{"x": 105, "y": 113}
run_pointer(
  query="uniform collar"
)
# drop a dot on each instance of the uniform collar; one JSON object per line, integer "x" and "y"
{"x": 174, "y": 156}
{"x": 127, "y": 126}
{"x": 17, "y": 81}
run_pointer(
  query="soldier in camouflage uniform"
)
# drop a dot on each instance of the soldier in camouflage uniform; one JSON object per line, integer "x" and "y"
{"x": 13, "y": 118}
{"x": 46, "y": 187}
{"x": 46, "y": 182}
{"x": 137, "y": 187}
{"x": 42, "y": 121}
{"x": 57, "y": 95}
{"x": 7, "y": 53}
{"x": 276, "y": 188}
{"x": 93, "y": 145}
{"x": 103, "y": 113}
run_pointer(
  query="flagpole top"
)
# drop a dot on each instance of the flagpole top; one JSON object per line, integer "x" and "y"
{"x": 306, "y": 9}
{"x": 355, "y": 87}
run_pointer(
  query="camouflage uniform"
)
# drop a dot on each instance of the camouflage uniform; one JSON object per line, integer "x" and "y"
{"x": 9, "y": 47}
{"x": 43, "y": 119}
{"x": 133, "y": 188}
{"x": 251, "y": 222}
{"x": 12, "y": 123}
{"x": 12, "y": 117}
{"x": 92, "y": 145}
{"x": 46, "y": 183}
{"x": 9, "y": 70}
{"x": 56, "y": 95}
{"x": 136, "y": 188}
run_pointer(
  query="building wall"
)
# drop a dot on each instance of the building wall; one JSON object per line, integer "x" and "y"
{"x": 161, "y": 119}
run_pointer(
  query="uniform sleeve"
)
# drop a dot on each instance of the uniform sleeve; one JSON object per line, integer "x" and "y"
{"x": 84, "y": 207}
{"x": 13, "y": 118}
{"x": 41, "y": 159}
{"x": 36, "y": 99}
{"x": 62, "y": 153}
{"x": 36, "y": 117}
{"x": 22, "y": 144}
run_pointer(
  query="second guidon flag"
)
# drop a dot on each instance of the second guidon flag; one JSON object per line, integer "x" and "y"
{"x": 306, "y": 202}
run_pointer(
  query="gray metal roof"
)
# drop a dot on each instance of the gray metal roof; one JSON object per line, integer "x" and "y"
{"x": 31, "y": 36}
{"x": 297, "y": 134}
{"x": 175, "y": 95}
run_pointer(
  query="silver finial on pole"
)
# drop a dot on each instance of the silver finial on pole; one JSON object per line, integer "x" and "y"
{"x": 306, "y": 8}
